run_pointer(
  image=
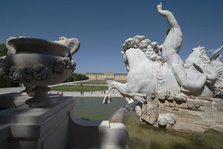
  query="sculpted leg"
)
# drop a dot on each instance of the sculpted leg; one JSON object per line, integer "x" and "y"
{"x": 115, "y": 85}
{"x": 124, "y": 92}
{"x": 191, "y": 82}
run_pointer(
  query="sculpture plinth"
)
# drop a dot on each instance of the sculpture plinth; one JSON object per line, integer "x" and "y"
{"x": 40, "y": 98}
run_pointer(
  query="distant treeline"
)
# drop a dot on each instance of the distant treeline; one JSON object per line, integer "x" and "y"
{"x": 3, "y": 49}
{"x": 77, "y": 77}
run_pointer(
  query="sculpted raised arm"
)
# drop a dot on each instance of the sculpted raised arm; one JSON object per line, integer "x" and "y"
{"x": 170, "y": 17}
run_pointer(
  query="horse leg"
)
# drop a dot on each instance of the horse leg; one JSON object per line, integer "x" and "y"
{"x": 115, "y": 85}
{"x": 130, "y": 97}
{"x": 140, "y": 98}
{"x": 129, "y": 100}
{"x": 122, "y": 88}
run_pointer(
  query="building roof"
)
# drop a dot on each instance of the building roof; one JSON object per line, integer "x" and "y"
{"x": 106, "y": 73}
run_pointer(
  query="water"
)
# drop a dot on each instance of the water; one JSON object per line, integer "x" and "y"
{"x": 92, "y": 107}
{"x": 145, "y": 136}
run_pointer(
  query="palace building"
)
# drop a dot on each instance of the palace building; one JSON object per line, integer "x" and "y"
{"x": 107, "y": 76}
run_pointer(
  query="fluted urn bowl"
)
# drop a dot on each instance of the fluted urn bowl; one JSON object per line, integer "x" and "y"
{"x": 39, "y": 63}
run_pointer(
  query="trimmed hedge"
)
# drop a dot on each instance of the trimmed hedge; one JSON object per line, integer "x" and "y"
{"x": 8, "y": 83}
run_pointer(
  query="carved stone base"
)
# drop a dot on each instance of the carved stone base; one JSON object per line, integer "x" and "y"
{"x": 150, "y": 111}
{"x": 41, "y": 98}
{"x": 195, "y": 115}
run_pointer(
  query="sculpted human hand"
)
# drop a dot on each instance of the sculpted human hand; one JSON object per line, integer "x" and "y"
{"x": 159, "y": 6}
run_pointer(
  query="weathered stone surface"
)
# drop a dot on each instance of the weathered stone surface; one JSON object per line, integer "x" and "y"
{"x": 166, "y": 119}
{"x": 118, "y": 116}
{"x": 150, "y": 111}
{"x": 208, "y": 115}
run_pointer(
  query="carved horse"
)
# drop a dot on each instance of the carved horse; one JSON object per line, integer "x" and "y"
{"x": 143, "y": 78}
{"x": 198, "y": 59}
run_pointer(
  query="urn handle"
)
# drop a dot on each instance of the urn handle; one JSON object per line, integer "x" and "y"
{"x": 75, "y": 45}
{"x": 11, "y": 48}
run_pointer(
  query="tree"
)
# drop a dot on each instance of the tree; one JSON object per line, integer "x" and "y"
{"x": 3, "y": 49}
{"x": 5, "y": 82}
{"x": 8, "y": 83}
{"x": 77, "y": 77}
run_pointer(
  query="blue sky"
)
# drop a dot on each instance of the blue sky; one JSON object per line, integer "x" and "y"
{"x": 103, "y": 25}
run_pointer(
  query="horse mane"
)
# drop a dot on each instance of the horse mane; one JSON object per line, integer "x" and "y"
{"x": 202, "y": 54}
{"x": 142, "y": 43}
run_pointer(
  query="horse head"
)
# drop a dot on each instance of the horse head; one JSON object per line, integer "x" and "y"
{"x": 198, "y": 57}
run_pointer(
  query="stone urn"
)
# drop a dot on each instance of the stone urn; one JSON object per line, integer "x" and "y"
{"x": 38, "y": 63}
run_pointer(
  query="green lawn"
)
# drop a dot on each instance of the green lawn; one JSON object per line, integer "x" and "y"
{"x": 75, "y": 88}
{"x": 95, "y": 82}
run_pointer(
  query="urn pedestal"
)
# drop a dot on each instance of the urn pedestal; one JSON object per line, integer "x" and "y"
{"x": 36, "y": 128}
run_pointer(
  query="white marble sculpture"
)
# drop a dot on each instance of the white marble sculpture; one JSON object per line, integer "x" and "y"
{"x": 159, "y": 68}
{"x": 38, "y": 63}
{"x": 198, "y": 59}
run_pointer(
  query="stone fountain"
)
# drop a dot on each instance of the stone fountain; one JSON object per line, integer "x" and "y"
{"x": 42, "y": 121}
{"x": 164, "y": 90}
